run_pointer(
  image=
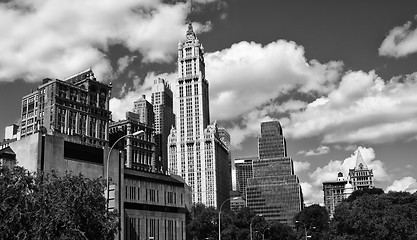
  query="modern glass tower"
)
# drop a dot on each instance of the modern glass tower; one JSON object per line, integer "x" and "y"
{"x": 274, "y": 191}
{"x": 197, "y": 151}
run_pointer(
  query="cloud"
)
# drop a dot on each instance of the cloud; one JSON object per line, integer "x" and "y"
{"x": 347, "y": 148}
{"x": 59, "y": 38}
{"x": 318, "y": 151}
{"x": 310, "y": 194}
{"x": 124, "y": 62}
{"x": 248, "y": 75}
{"x": 401, "y": 41}
{"x": 353, "y": 113}
{"x": 408, "y": 184}
{"x": 329, "y": 173}
{"x": 301, "y": 166}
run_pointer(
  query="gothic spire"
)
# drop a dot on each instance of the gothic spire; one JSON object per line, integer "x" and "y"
{"x": 360, "y": 163}
{"x": 190, "y": 32}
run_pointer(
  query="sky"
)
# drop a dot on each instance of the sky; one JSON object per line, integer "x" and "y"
{"x": 340, "y": 76}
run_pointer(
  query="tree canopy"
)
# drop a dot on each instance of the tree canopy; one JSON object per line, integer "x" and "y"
{"x": 204, "y": 225}
{"x": 384, "y": 216}
{"x": 315, "y": 219}
{"x": 49, "y": 206}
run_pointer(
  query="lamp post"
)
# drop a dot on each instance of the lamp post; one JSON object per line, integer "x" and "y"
{"x": 220, "y": 211}
{"x": 305, "y": 230}
{"x": 263, "y": 233}
{"x": 108, "y": 160}
{"x": 250, "y": 225}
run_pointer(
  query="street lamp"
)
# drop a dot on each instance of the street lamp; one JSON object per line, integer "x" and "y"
{"x": 108, "y": 160}
{"x": 263, "y": 233}
{"x": 250, "y": 225}
{"x": 305, "y": 230}
{"x": 220, "y": 210}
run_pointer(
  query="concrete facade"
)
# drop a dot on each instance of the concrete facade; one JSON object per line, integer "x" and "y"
{"x": 78, "y": 106}
{"x": 155, "y": 205}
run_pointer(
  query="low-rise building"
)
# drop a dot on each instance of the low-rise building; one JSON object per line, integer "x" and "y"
{"x": 335, "y": 192}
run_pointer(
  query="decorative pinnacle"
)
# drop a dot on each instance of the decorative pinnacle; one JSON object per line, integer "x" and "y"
{"x": 190, "y": 31}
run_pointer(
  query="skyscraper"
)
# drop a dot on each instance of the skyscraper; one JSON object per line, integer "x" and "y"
{"x": 197, "y": 151}
{"x": 274, "y": 191}
{"x": 361, "y": 176}
{"x": 144, "y": 109}
{"x": 162, "y": 101}
{"x": 244, "y": 171}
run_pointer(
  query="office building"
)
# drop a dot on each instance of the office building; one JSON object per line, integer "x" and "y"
{"x": 144, "y": 109}
{"x": 196, "y": 151}
{"x": 274, "y": 191}
{"x": 335, "y": 192}
{"x": 162, "y": 101}
{"x": 154, "y": 204}
{"x": 150, "y": 204}
{"x": 11, "y": 131}
{"x": 139, "y": 150}
{"x": 361, "y": 176}
{"x": 244, "y": 171}
{"x": 78, "y": 105}
{"x": 237, "y": 201}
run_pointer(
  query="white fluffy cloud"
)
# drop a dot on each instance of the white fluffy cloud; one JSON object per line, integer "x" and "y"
{"x": 400, "y": 42}
{"x": 59, "y": 38}
{"x": 362, "y": 109}
{"x": 248, "y": 75}
{"x": 318, "y": 151}
{"x": 330, "y": 171}
{"x": 408, "y": 184}
{"x": 301, "y": 166}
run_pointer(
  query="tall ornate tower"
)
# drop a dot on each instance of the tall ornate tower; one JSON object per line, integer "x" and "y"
{"x": 196, "y": 150}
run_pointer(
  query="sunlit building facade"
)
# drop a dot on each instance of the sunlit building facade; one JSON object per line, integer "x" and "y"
{"x": 361, "y": 176}
{"x": 197, "y": 151}
{"x": 78, "y": 106}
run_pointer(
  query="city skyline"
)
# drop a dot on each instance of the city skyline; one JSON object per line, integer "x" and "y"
{"x": 337, "y": 76}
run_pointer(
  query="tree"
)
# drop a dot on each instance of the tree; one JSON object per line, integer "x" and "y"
{"x": 49, "y": 206}
{"x": 359, "y": 193}
{"x": 390, "y": 215}
{"x": 203, "y": 224}
{"x": 316, "y": 221}
{"x": 279, "y": 231}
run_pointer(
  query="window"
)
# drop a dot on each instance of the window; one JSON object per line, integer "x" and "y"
{"x": 188, "y": 68}
{"x": 188, "y": 52}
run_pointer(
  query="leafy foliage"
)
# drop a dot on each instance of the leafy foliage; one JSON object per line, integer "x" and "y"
{"x": 390, "y": 216}
{"x": 204, "y": 225}
{"x": 41, "y": 206}
{"x": 316, "y": 222}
